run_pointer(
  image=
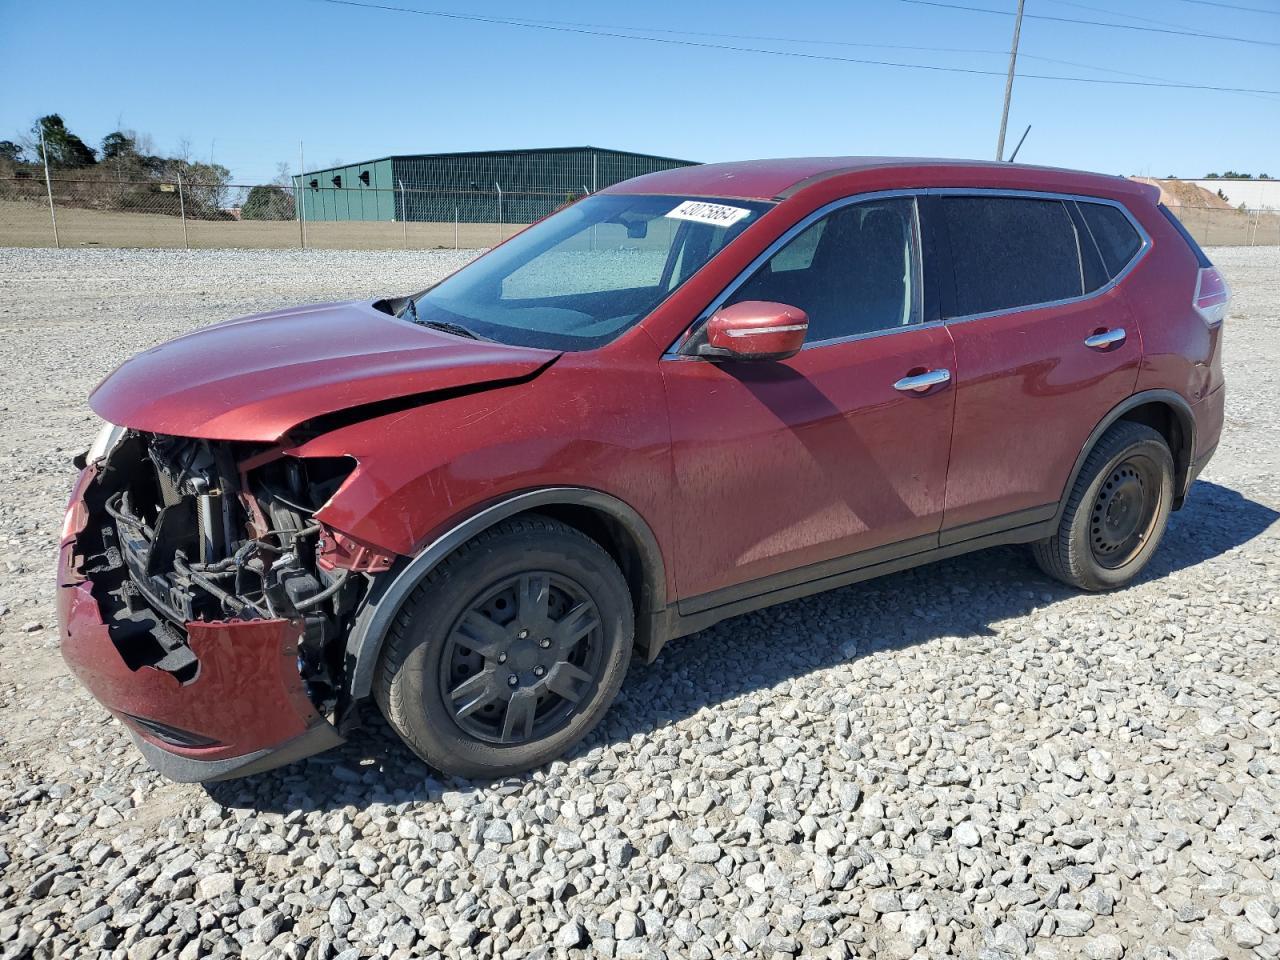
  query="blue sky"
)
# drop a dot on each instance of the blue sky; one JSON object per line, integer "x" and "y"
{"x": 245, "y": 81}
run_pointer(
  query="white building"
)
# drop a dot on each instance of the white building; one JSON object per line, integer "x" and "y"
{"x": 1254, "y": 194}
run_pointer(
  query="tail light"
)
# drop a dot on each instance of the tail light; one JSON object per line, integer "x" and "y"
{"x": 1212, "y": 296}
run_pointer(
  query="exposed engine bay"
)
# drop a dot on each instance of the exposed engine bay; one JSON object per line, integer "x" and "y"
{"x": 185, "y": 530}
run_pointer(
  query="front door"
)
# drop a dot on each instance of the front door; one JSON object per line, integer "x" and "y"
{"x": 781, "y": 466}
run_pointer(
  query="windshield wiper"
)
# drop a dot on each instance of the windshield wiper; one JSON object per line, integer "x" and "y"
{"x": 447, "y": 327}
{"x": 411, "y": 308}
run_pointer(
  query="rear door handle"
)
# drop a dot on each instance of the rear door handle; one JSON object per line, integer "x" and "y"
{"x": 1107, "y": 338}
{"x": 923, "y": 382}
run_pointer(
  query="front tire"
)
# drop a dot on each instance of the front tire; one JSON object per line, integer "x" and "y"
{"x": 1116, "y": 512}
{"x": 509, "y": 652}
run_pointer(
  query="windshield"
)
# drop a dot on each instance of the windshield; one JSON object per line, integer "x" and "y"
{"x": 584, "y": 275}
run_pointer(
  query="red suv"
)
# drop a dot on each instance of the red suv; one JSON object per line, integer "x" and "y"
{"x": 694, "y": 394}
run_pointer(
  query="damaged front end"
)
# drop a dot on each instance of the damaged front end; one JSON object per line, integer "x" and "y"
{"x": 202, "y": 603}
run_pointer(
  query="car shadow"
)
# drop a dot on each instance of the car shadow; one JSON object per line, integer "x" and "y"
{"x": 964, "y": 595}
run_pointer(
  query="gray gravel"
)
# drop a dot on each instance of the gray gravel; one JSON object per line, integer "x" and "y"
{"x": 967, "y": 759}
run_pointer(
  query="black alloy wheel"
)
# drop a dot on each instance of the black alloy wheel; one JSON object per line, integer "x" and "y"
{"x": 509, "y": 651}
{"x": 523, "y": 656}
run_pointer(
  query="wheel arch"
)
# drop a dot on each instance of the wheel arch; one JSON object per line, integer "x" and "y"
{"x": 612, "y": 523}
{"x": 1164, "y": 411}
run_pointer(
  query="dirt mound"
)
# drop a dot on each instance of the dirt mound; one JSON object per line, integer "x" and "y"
{"x": 1181, "y": 193}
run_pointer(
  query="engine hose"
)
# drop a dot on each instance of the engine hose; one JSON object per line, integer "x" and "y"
{"x": 238, "y": 558}
{"x": 115, "y": 507}
{"x": 234, "y": 602}
{"x": 324, "y": 594}
{"x": 296, "y": 534}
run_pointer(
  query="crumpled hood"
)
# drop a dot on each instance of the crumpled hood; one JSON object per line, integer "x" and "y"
{"x": 255, "y": 378}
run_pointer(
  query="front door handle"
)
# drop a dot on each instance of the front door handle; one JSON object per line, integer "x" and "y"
{"x": 922, "y": 382}
{"x": 1105, "y": 338}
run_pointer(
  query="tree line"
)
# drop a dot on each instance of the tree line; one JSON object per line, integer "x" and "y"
{"x": 126, "y": 173}
{"x": 1232, "y": 175}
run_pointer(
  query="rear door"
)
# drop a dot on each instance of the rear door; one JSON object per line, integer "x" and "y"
{"x": 1045, "y": 347}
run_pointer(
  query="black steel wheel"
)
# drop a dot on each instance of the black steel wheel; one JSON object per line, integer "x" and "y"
{"x": 522, "y": 658}
{"x": 1124, "y": 511}
{"x": 509, "y": 652}
{"x": 1116, "y": 511}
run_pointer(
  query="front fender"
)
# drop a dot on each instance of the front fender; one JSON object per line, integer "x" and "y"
{"x": 588, "y": 433}
{"x": 364, "y": 642}
{"x": 419, "y": 470}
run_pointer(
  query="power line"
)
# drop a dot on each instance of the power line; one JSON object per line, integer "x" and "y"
{"x": 1166, "y": 23}
{"x": 1096, "y": 23}
{"x": 1122, "y": 73}
{"x": 936, "y": 68}
{"x": 1234, "y": 6}
{"x": 864, "y": 44}
{"x": 1118, "y": 13}
{"x": 751, "y": 36}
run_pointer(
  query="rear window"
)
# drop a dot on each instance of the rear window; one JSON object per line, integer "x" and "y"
{"x": 1118, "y": 242}
{"x": 1011, "y": 252}
{"x": 1186, "y": 235}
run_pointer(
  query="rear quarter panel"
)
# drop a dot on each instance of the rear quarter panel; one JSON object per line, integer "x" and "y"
{"x": 1180, "y": 353}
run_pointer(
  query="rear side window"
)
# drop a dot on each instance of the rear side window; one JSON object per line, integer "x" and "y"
{"x": 1118, "y": 242}
{"x": 1011, "y": 252}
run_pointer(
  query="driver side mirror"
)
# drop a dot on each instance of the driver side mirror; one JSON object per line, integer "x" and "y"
{"x": 755, "y": 330}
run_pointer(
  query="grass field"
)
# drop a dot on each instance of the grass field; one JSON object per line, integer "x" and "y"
{"x": 26, "y": 224}
{"x": 1214, "y": 227}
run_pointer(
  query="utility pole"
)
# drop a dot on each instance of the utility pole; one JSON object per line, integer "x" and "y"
{"x": 404, "y": 213}
{"x": 502, "y": 232}
{"x": 1008, "y": 83}
{"x": 182, "y": 210}
{"x": 48, "y": 185}
{"x": 300, "y": 195}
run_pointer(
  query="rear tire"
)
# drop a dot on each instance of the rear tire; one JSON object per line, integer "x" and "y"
{"x": 509, "y": 652}
{"x": 1116, "y": 512}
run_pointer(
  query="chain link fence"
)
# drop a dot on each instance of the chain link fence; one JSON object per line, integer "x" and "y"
{"x": 1231, "y": 227}
{"x": 163, "y": 213}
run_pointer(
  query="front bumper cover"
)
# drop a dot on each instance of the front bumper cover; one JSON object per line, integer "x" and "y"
{"x": 246, "y": 710}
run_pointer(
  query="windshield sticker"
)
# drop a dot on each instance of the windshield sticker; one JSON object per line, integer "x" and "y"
{"x": 715, "y": 214}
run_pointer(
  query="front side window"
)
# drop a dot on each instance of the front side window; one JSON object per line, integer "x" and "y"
{"x": 584, "y": 275}
{"x": 1010, "y": 252}
{"x": 854, "y": 271}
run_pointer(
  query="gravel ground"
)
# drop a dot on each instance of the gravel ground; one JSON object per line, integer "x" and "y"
{"x": 966, "y": 759}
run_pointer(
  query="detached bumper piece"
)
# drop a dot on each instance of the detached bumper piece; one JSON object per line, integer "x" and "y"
{"x": 241, "y": 707}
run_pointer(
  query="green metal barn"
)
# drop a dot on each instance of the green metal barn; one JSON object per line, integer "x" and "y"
{"x": 490, "y": 186}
